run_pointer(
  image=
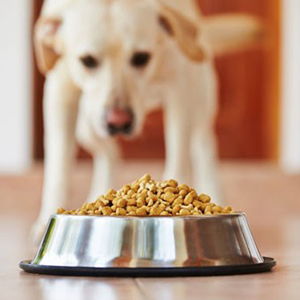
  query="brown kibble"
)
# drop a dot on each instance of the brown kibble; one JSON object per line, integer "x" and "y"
{"x": 217, "y": 209}
{"x": 132, "y": 213}
{"x": 208, "y": 209}
{"x": 155, "y": 211}
{"x": 126, "y": 188}
{"x": 109, "y": 197}
{"x": 146, "y": 197}
{"x": 188, "y": 199}
{"x": 121, "y": 203}
{"x": 178, "y": 201}
{"x": 173, "y": 190}
{"x": 145, "y": 178}
{"x": 227, "y": 209}
{"x": 106, "y": 211}
{"x": 184, "y": 187}
{"x": 169, "y": 196}
{"x": 172, "y": 183}
{"x": 140, "y": 202}
{"x": 164, "y": 213}
{"x": 121, "y": 211}
{"x": 176, "y": 209}
{"x": 99, "y": 203}
{"x": 204, "y": 198}
{"x": 183, "y": 193}
{"x": 131, "y": 208}
{"x": 60, "y": 211}
{"x": 131, "y": 202}
{"x": 141, "y": 212}
{"x": 196, "y": 203}
{"x": 184, "y": 212}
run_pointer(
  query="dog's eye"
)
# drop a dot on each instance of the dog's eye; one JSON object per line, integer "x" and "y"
{"x": 140, "y": 59}
{"x": 89, "y": 61}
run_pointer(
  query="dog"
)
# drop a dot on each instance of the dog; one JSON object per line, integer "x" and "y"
{"x": 108, "y": 63}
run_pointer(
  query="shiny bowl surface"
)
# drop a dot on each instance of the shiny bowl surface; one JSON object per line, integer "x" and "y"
{"x": 146, "y": 242}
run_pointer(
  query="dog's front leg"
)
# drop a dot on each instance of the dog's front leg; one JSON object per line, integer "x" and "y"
{"x": 177, "y": 137}
{"x": 105, "y": 167}
{"x": 205, "y": 163}
{"x": 60, "y": 112}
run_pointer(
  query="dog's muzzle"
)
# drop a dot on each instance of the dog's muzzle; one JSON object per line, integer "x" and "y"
{"x": 119, "y": 121}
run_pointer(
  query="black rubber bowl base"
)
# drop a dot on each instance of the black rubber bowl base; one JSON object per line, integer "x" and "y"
{"x": 266, "y": 266}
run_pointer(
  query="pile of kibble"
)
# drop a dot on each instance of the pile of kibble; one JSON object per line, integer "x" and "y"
{"x": 146, "y": 197}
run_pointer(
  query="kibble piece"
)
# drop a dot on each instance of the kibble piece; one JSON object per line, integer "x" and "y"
{"x": 60, "y": 210}
{"x": 188, "y": 199}
{"x": 178, "y": 201}
{"x": 130, "y": 193}
{"x": 172, "y": 183}
{"x": 136, "y": 187}
{"x": 146, "y": 178}
{"x": 131, "y": 208}
{"x": 121, "y": 211}
{"x": 174, "y": 190}
{"x": 164, "y": 213}
{"x": 99, "y": 203}
{"x": 184, "y": 212}
{"x": 126, "y": 188}
{"x": 141, "y": 212}
{"x": 121, "y": 203}
{"x": 204, "y": 198}
{"x": 183, "y": 193}
{"x": 110, "y": 197}
{"x": 106, "y": 211}
{"x": 132, "y": 213}
{"x": 169, "y": 196}
{"x": 227, "y": 209}
{"x": 140, "y": 202}
{"x": 131, "y": 202}
{"x": 176, "y": 209}
{"x": 217, "y": 209}
{"x": 150, "y": 202}
{"x": 196, "y": 203}
{"x": 184, "y": 187}
{"x": 155, "y": 211}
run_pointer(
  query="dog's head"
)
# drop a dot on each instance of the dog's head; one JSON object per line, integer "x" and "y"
{"x": 116, "y": 50}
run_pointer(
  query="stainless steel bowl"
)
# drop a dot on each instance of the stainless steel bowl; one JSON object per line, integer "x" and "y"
{"x": 147, "y": 242}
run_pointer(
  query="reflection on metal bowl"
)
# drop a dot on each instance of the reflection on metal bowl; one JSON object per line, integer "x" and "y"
{"x": 147, "y": 242}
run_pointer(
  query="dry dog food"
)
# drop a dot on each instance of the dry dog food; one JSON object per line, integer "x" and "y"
{"x": 146, "y": 197}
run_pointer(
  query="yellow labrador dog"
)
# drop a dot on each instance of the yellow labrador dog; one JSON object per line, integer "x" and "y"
{"x": 108, "y": 63}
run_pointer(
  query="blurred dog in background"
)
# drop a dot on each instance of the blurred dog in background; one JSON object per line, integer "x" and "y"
{"x": 108, "y": 63}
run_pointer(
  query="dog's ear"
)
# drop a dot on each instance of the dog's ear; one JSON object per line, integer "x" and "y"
{"x": 46, "y": 43}
{"x": 183, "y": 30}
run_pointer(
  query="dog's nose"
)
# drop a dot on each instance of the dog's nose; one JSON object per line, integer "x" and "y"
{"x": 119, "y": 120}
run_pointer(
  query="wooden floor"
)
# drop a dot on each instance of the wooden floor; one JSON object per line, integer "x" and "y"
{"x": 270, "y": 199}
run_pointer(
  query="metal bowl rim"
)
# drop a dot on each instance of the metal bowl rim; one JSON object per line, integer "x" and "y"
{"x": 189, "y": 217}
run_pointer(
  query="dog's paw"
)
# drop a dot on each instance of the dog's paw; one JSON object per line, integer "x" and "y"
{"x": 36, "y": 233}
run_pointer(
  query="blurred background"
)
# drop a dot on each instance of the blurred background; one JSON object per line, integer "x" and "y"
{"x": 259, "y": 115}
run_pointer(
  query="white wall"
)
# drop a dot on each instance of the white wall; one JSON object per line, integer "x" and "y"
{"x": 15, "y": 85}
{"x": 290, "y": 130}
